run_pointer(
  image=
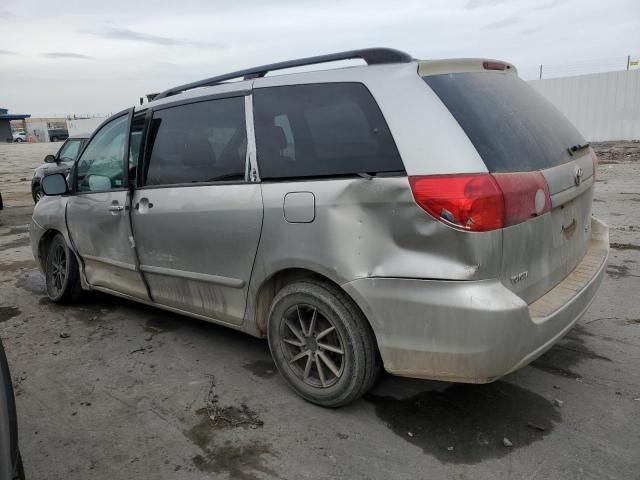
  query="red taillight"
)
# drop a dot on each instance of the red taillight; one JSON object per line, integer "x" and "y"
{"x": 482, "y": 201}
{"x": 526, "y": 195}
{"x": 495, "y": 66}
{"x": 471, "y": 202}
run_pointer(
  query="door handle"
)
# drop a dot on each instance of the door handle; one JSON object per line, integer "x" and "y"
{"x": 143, "y": 205}
{"x": 116, "y": 208}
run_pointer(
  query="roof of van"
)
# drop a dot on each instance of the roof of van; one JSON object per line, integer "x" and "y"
{"x": 242, "y": 80}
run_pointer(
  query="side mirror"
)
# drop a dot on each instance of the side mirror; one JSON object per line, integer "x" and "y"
{"x": 49, "y": 159}
{"x": 55, "y": 184}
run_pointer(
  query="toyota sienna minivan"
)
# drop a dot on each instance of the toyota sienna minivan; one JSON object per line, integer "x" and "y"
{"x": 432, "y": 218}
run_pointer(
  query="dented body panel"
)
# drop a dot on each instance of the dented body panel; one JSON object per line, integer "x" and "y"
{"x": 476, "y": 331}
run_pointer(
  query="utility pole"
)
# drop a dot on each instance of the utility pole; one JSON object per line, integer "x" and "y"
{"x": 628, "y": 62}
{"x": 541, "y": 71}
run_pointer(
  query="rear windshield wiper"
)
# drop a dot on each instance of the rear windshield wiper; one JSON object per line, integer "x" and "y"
{"x": 577, "y": 148}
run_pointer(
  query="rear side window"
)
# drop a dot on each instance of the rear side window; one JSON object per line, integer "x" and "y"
{"x": 199, "y": 142}
{"x": 513, "y": 127}
{"x": 321, "y": 130}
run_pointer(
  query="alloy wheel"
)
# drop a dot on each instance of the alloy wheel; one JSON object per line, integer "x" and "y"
{"x": 57, "y": 271}
{"x": 313, "y": 346}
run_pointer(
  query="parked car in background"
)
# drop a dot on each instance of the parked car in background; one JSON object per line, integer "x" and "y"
{"x": 61, "y": 162}
{"x": 431, "y": 217}
{"x": 19, "y": 137}
{"x": 58, "y": 134}
{"x": 10, "y": 459}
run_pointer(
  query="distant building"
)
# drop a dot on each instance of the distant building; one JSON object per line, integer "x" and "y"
{"x": 5, "y": 123}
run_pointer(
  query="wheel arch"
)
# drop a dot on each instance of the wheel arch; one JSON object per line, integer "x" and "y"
{"x": 43, "y": 247}
{"x": 45, "y": 241}
{"x": 272, "y": 284}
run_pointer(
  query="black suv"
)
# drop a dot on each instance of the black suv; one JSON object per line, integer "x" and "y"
{"x": 61, "y": 162}
{"x": 57, "y": 134}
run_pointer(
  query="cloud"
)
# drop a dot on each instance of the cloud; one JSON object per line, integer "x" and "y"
{"x": 505, "y": 22}
{"x": 473, "y": 4}
{"x": 542, "y": 6}
{"x": 117, "y": 33}
{"x": 66, "y": 55}
{"x": 7, "y": 52}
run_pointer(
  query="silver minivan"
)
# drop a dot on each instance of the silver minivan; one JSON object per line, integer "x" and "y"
{"x": 432, "y": 218}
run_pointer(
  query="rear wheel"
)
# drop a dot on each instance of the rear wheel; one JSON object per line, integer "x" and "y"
{"x": 19, "y": 140}
{"x": 61, "y": 273}
{"x": 321, "y": 343}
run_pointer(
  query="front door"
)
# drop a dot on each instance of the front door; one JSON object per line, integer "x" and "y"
{"x": 98, "y": 211}
{"x": 196, "y": 216}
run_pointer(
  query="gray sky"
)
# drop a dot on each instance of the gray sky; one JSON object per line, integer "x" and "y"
{"x": 83, "y": 56}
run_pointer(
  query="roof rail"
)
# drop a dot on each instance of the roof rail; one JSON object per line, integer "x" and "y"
{"x": 373, "y": 56}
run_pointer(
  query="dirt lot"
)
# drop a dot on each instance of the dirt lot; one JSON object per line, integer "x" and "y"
{"x": 109, "y": 389}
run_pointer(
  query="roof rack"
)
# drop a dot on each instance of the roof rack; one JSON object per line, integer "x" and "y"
{"x": 373, "y": 56}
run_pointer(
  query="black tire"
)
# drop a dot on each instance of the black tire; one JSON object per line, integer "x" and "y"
{"x": 54, "y": 139}
{"x": 62, "y": 278}
{"x": 312, "y": 376}
{"x": 19, "y": 140}
{"x": 10, "y": 419}
{"x": 37, "y": 193}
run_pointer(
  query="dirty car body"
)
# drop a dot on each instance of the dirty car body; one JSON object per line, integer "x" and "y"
{"x": 457, "y": 219}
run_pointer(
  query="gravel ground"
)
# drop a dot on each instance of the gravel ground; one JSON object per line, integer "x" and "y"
{"x": 111, "y": 389}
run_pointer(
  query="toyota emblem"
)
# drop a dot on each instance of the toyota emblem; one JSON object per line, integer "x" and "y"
{"x": 578, "y": 176}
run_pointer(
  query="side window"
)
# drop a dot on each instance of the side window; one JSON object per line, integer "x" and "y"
{"x": 69, "y": 150}
{"x": 321, "y": 130}
{"x": 100, "y": 166}
{"x": 198, "y": 142}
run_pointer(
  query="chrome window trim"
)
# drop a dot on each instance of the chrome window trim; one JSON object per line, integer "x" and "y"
{"x": 202, "y": 277}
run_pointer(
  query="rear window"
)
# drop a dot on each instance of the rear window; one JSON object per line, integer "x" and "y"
{"x": 321, "y": 130}
{"x": 513, "y": 127}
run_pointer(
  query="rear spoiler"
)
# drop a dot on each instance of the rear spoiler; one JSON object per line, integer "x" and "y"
{"x": 464, "y": 65}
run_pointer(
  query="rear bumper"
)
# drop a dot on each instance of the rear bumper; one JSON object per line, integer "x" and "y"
{"x": 474, "y": 331}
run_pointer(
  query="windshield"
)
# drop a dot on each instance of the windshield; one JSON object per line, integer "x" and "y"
{"x": 69, "y": 151}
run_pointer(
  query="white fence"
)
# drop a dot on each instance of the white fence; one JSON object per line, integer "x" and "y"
{"x": 603, "y": 106}
{"x": 84, "y": 125}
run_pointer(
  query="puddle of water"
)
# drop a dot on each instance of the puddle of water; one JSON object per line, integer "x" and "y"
{"x": 466, "y": 424}
{"x": 18, "y": 242}
{"x": 624, "y": 246}
{"x": 7, "y": 313}
{"x": 161, "y": 324}
{"x": 262, "y": 368}
{"x": 243, "y": 462}
{"x": 619, "y": 271}
{"x": 14, "y": 266}
{"x": 239, "y": 461}
{"x": 569, "y": 352}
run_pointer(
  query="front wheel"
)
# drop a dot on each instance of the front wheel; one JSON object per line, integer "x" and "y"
{"x": 19, "y": 140}
{"x": 322, "y": 344}
{"x": 37, "y": 194}
{"x": 61, "y": 272}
